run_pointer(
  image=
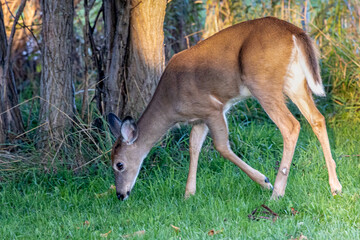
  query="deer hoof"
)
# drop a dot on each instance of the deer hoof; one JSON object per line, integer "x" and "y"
{"x": 188, "y": 194}
{"x": 276, "y": 196}
{"x": 267, "y": 184}
{"x": 336, "y": 188}
{"x": 336, "y": 192}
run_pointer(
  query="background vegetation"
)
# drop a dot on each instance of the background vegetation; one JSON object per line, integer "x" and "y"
{"x": 65, "y": 192}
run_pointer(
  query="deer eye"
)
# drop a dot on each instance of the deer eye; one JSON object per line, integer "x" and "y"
{"x": 120, "y": 166}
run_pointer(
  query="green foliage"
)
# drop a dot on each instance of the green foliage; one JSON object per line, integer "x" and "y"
{"x": 183, "y": 25}
{"x": 337, "y": 34}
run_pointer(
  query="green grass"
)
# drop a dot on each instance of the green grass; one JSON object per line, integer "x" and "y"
{"x": 38, "y": 206}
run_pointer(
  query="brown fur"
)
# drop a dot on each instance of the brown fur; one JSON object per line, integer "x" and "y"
{"x": 244, "y": 54}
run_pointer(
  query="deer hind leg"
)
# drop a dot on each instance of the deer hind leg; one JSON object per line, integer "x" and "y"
{"x": 197, "y": 137}
{"x": 219, "y": 133}
{"x": 303, "y": 100}
{"x": 275, "y": 107}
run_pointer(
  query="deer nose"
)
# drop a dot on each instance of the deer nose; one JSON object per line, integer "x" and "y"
{"x": 122, "y": 197}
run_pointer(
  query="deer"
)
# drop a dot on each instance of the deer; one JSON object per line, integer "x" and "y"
{"x": 268, "y": 59}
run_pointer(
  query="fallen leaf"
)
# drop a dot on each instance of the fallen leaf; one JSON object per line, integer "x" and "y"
{"x": 105, "y": 235}
{"x": 301, "y": 237}
{"x": 99, "y": 195}
{"x": 138, "y": 233}
{"x": 108, "y": 192}
{"x": 293, "y": 211}
{"x": 86, "y": 223}
{"x": 177, "y": 230}
{"x": 212, "y": 232}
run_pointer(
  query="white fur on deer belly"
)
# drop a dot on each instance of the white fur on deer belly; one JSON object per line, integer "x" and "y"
{"x": 244, "y": 93}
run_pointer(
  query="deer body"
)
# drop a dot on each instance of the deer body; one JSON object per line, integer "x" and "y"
{"x": 265, "y": 58}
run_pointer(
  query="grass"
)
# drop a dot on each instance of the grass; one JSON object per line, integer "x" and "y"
{"x": 66, "y": 205}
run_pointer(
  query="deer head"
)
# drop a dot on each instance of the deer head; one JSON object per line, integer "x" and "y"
{"x": 125, "y": 157}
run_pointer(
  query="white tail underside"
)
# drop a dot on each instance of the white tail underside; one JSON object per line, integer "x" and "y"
{"x": 316, "y": 88}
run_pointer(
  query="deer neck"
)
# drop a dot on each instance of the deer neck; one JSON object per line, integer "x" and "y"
{"x": 152, "y": 125}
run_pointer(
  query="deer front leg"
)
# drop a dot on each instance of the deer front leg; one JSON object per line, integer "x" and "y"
{"x": 197, "y": 137}
{"x": 219, "y": 133}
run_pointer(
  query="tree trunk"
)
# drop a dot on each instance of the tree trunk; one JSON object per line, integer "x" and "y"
{"x": 56, "y": 84}
{"x": 135, "y": 54}
{"x": 10, "y": 117}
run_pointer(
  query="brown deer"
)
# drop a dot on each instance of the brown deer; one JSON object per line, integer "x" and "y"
{"x": 265, "y": 58}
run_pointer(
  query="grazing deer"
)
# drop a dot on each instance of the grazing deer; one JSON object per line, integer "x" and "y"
{"x": 265, "y": 58}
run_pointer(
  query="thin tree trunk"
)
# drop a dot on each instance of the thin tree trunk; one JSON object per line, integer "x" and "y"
{"x": 135, "y": 54}
{"x": 10, "y": 118}
{"x": 85, "y": 105}
{"x": 117, "y": 20}
{"x": 56, "y": 85}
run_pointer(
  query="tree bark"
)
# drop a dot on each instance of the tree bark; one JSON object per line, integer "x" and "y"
{"x": 10, "y": 118}
{"x": 56, "y": 84}
{"x": 135, "y": 54}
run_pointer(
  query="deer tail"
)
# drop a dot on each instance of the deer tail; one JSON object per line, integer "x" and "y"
{"x": 309, "y": 62}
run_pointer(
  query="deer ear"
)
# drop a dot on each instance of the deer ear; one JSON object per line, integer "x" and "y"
{"x": 115, "y": 125}
{"x": 129, "y": 131}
